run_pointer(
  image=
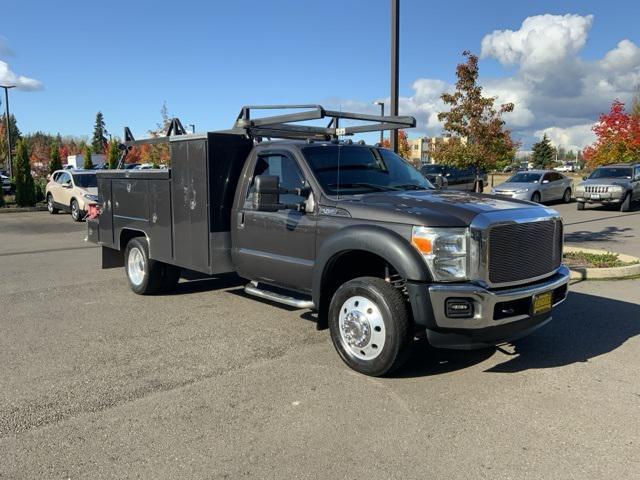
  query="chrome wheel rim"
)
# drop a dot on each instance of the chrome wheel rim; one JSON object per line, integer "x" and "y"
{"x": 74, "y": 210}
{"x": 50, "y": 203}
{"x": 362, "y": 328}
{"x": 135, "y": 266}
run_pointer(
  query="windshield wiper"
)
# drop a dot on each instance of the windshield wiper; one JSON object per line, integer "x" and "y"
{"x": 410, "y": 186}
{"x": 373, "y": 186}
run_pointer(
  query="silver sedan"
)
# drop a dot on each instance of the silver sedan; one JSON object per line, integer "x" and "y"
{"x": 536, "y": 185}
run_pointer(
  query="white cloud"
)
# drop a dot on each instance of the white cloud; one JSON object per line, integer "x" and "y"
{"x": 8, "y": 77}
{"x": 572, "y": 138}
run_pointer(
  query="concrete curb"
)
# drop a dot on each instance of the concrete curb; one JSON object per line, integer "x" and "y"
{"x": 42, "y": 208}
{"x": 604, "y": 273}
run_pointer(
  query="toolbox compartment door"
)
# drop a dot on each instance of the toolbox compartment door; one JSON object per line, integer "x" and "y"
{"x": 189, "y": 199}
{"x": 105, "y": 227}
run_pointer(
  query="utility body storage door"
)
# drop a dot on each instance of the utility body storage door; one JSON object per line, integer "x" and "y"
{"x": 189, "y": 200}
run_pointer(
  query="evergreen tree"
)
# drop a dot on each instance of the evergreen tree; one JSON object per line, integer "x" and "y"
{"x": 54, "y": 158}
{"x": 543, "y": 153}
{"x": 15, "y": 136}
{"x": 86, "y": 153}
{"x": 25, "y": 188}
{"x": 113, "y": 154}
{"x": 99, "y": 139}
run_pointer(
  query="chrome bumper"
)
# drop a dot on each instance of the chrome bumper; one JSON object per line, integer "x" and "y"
{"x": 485, "y": 301}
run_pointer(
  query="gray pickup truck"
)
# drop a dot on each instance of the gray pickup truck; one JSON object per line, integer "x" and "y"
{"x": 349, "y": 230}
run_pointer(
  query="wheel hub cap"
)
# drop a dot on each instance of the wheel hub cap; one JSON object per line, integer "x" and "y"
{"x": 356, "y": 329}
{"x": 362, "y": 328}
{"x": 135, "y": 266}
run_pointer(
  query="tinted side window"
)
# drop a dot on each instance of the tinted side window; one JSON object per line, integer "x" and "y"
{"x": 286, "y": 169}
{"x": 637, "y": 172}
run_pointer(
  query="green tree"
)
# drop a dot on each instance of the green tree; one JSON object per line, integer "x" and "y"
{"x": 99, "y": 138}
{"x": 25, "y": 188}
{"x": 54, "y": 159}
{"x": 86, "y": 154}
{"x": 113, "y": 154}
{"x": 543, "y": 153}
{"x": 479, "y": 137}
{"x": 15, "y": 136}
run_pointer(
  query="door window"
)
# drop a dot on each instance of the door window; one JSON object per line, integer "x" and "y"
{"x": 286, "y": 169}
{"x": 63, "y": 178}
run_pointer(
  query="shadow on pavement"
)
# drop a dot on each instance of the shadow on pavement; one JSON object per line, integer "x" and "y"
{"x": 608, "y": 234}
{"x": 196, "y": 283}
{"x": 584, "y": 327}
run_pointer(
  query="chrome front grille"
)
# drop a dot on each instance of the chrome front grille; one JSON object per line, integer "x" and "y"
{"x": 518, "y": 252}
{"x": 596, "y": 189}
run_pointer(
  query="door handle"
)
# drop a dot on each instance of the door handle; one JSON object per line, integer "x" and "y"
{"x": 240, "y": 219}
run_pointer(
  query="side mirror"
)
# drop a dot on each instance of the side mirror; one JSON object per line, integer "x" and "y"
{"x": 584, "y": 177}
{"x": 266, "y": 195}
{"x": 66, "y": 185}
{"x": 545, "y": 181}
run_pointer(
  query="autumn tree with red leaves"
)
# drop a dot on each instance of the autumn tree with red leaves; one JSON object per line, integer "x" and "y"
{"x": 404, "y": 149}
{"x": 479, "y": 137}
{"x": 617, "y": 138}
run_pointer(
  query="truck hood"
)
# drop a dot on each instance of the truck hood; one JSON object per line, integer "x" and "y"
{"x": 606, "y": 181}
{"x": 436, "y": 208}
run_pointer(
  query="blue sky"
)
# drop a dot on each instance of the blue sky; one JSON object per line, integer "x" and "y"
{"x": 207, "y": 59}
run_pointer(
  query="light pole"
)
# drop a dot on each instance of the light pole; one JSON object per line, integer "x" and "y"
{"x": 193, "y": 127}
{"x": 395, "y": 60}
{"x": 381, "y": 104}
{"x": 6, "y": 117}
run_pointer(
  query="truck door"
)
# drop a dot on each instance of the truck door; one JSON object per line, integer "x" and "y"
{"x": 276, "y": 247}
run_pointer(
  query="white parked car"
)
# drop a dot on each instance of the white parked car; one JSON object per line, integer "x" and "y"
{"x": 566, "y": 167}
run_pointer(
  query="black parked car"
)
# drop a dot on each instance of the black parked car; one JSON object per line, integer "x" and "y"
{"x": 445, "y": 176}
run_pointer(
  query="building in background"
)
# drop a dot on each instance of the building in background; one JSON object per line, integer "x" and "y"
{"x": 422, "y": 147}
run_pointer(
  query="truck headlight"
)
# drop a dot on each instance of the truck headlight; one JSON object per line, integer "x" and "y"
{"x": 616, "y": 189}
{"x": 580, "y": 189}
{"x": 444, "y": 250}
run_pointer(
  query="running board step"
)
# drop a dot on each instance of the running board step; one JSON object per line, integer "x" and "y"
{"x": 252, "y": 289}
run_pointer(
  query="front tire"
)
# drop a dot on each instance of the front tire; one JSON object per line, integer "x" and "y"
{"x": 51, "y": 208}
{"x": 370, "y": 326}
{"x": 76, "y": 213}
{"x": 625, "y": 206}
{"x": 580, "y": 205}
{"x": 566, "y": 198}
{"x": 144, "y": 274}
{"x": 535, "y": 197}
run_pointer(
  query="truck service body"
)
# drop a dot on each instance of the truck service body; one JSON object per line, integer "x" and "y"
{"x": 349, "y": 230}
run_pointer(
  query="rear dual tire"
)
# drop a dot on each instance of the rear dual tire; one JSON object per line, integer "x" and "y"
{"x": 145, "y": 275}
{"x": 370, "y": 326}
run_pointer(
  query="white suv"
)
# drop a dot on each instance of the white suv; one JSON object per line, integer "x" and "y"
{"x": 72, "y": 191}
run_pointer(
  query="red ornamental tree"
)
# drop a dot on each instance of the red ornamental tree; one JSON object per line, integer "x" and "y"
{"x": 617, "y": 138}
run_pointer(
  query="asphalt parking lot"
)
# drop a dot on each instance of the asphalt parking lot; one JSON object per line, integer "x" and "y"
{"x": 97, "y": 382}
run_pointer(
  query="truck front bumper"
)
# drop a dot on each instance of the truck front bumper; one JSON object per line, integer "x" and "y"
{"x": 498, "y": 316}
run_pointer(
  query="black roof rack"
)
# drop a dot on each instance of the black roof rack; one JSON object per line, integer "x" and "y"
{"x": 285, "y": 126}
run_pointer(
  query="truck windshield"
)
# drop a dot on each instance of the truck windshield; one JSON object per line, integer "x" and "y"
{"x": 605, "y": 172}
{"x": 525, "y": 178}
{"x": 85, "y": 180}
{"x": 352, "y": 170}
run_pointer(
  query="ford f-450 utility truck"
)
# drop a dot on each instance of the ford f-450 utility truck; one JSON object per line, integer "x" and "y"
{"x": 349, "y": 230}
